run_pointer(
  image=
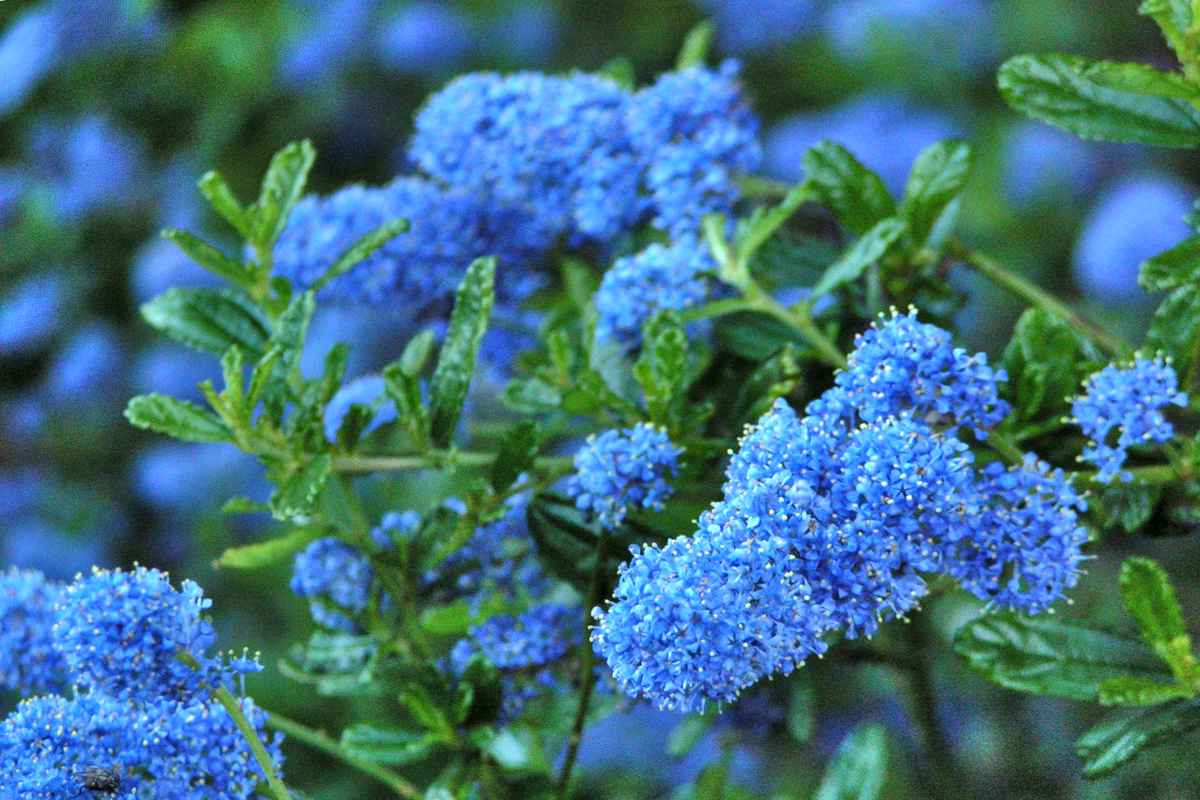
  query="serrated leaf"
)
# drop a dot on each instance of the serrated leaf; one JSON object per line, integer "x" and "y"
{"x": 1046, "y": 361}
{"x": 1133, "y": 691}
{"x": 869, "y": 248}
{"x": 695, "y": 46}
{"x": 518, "y": 450}
{"x": 456, "y": 362}
{"x": 687, "y": 734}
{"x": 661, "y": 365}
{"x": 1179, "y": 266}
{"x": 176, "y": 418}
{"x": 218, "y": 194}
{"x": 292, "y": 328}
{"x": 1101, "y": 100}
{"x": 297, "y": 497}
{"x": 361, "y": 250}
{"x": 1117, "y": 740}
{"x": 1051, "y": 657}
{"x": 859, "y": 768}
{"x": 210, "y": 320}
{"x": 282, "y": 186}
{"x": 856, "y": 195}
{"x": 208, "y": 256}
{"x": 1150, "y": 599}
{"x": 405, "y": 392}
{"x": 244, "y": 505}
{"x": 937, "y": 178}
{"x": 264, "y": 554}
{"x": 1175, "y": 326}
{"x": 391, "y": 746}
{"x": 1174, "y": 18}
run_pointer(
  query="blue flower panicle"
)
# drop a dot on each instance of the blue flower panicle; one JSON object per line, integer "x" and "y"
{"x": 536, "y": 638}
{"x": 29, "y": 664}
{"x": 659, "y": 278}
{"x": 623, "y": 469}
{"x": 1122, "y": 407}
{"x": 336, "y": 579}
{"x": 123, "y": 633}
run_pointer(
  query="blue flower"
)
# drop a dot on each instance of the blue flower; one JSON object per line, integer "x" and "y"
{"x": 395, "y": 524}
{"x": 1132, "y": 221}
{"x": 28, "y": 661}
{"x": 528, "y": 33}
{"x": 122, "y": 633}
{"x": 957, "y": 33}
{"x": 659, "y": 278}
{"x": 1045, "y": 163}
{"x": 30, "y": 314}
{"x": 424, "y": 37}
{"x": 330, "y": 39}
{"x": 88, "y": 164}
{"x": 28, "y": 52}
{"x": 536, "y": 638}
{"x": 336, "y": 579}
{"x": 623, "y": 469}
{"x": 751, "y": 26}
{"x": 1122, "y": 407}
{"x": 89, "y": 368}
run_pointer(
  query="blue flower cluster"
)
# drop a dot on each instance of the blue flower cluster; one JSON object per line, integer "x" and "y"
{"x": 1122, "y": 407}
{"x": 623, "y": 469}
{"x": 942, "y": 33}
{"x": 751, "y": 26}
{"x": 828, "y": 523}
{"x": 336, "y": 579}
{"x": 120, "y": 639}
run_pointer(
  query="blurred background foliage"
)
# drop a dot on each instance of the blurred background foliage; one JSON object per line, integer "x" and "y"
{"x": 111, "y": 109}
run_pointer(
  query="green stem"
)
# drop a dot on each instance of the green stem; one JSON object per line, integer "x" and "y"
{"x": 320, "y": 741}
{"x": 436, "y": 459}
{"x": 1153, "y": 474}
{"x": 1005, "y": 447}
{"x": 234, "y": 709}
{"x": 1037, "y": 296}
{"x": 587, "y": 671}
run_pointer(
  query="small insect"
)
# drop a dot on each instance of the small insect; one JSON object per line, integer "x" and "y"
{"x": 102, "y": 780}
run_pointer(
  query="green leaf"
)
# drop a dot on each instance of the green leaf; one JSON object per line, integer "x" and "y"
{"x": 210, "y": 320}
{"x": 530, "y": 396}
{"x": 1175, "y": 328}
{"x": 1102, "y": 100}
{"x": 1127, "y": 505}
{"x": 753, "y": 232}
{"x": 695, "y": 46}
{"x": 856, "y": 195}
{"x": 937, "y": 178}
{"x": 1174, "y": 18}
{"x": 456, "y": 362}
{"x": 390, "y": 746}
{"x": 757, "y": 337}
{"x": 1134, "y": 691}
{"x": 518, "y": 450}
{"x": 264, "y": 554}
{"x": 417, "y": 353}
{"x": 281, "y": 189}
{"x": 176, "y": 418}
{"x": 218, "y": 194}
{"x": 1118, "y": 739}
{"x": 868, "y": 249}
{"x": 1051, "y": 657}
{"x": 517, "y": 749}
{"x": 292, "y": 328}
{"x": 296, "y": 498}
{"x": 208, "y": 256}
{"x": 859, "y": 768}
{"x": 405, "y": 392}
{"x": 621, "y": 71}
{"x": 361, "y": 250}
{"x": 1150, "y": 599}
{"x": 480, "y": 693}
{"x": 1179, "y": 266}
{"x": 1046, "y": 362}
{"x": 661, "y": 365}
{"x": 453, "y": 619}
{"x": 687, "y": 734}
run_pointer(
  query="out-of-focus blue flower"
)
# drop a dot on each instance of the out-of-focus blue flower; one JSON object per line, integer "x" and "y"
{"x": 88, "y": 165}
{"x": 885, "y": 131}
{"x": 1134, "y": 220}
{"x": 424, "y": 37}
{"x": 29, "y": 664}
{"x": 89, "y": 369}
{"x": 694, "y": 130}
{"x": 369, "y": 391}
{"x": 751, "y": 26}
{"x": 34, "y": 542}
{"x": 1128, "y": 402}
{"x": 121, "y": 633}
{"x": 174, "y": 370}
{"x": 659, "y": 278}
{"x": 22, "y": 420}
{"x": 527, "y": 34}
{"x": 13, "y": 185}
{"x": 28, "y": 51}
{"x": 623, "y": 469}
{"x": 376, "y": 336}
{"x": 554, "y": 148}
{"x": 953, "y": 33}
{"x": 336, "y": 579}
{"x": 395, "y": 525}
{"x": 88, "y": 27}
{"x": 160, "y": 265}
{"x": 188, "y": 479}
{"x": 331, "y": 39}
{"x": 30, "y": 314}
{"x": 1043, "y": 163}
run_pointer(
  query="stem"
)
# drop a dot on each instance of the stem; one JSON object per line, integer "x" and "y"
{"x": 1037, "y": 296}
{"x": 434, "y": 460}
{"x": 1005, "y": 447}
{"x": 944, "y": 780}
{"x": 1156, "y": 473}
{"x": 587, "y": 671}
{"x": 234, "y": 709}
{"x": 319, "y": 741}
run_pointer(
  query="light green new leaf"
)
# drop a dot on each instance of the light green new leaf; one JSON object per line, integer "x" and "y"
{"x": 272, "y": 551}
{"x": 1150, "y": 599}
{"x": 937, "y": 177}
{"x": 859, "y": 768}
{"x": 176, "y": 418}
{"x": 208, "y": 256}
{"x": 456, "y": 362}
{"x": 297, "y": 497}
{"x": 282, "y": 187}
{"x": 1174, "y": 18}
{"x": 695, "y": 46}
{"x": 1117, "y": 740}
{"x": 856, "y": 195}
{"x": 218, "y": 194}
{"x": 292, "y": 328}
{"x": 1102, "y": 100}
{"x": 868, "y": 249}
{"x": 211, "y": 320}
{"x": 1134, "y": 691}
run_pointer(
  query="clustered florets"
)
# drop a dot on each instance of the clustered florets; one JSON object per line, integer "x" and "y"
{"x": 135, "y": 651}
{"x": 828, "y": 523}
{"x": 1122, "y": 407}
{"x": 336, "y": 579}
{"x": 623, "y": 469}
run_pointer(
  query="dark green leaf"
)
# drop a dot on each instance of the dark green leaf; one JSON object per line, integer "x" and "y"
{"x": 687, "y": 734}
{"x": 1051, "y": 657}
{"x": 695, "y": 47}
{"x": 754, "y": 231}
{"x": 1046, "y": 362}
{"x": 757, "y": 337}
{"x": 1101, "y": 100}
{"x": 868, "y": 249}
{"x": 1134, "y": 691}
{"x": 281, "y": 189}
{"x": 1179, "y": 266}
{"x": 176, "y": 418}
{"x": 405, "y": 392}
{"x": 264, "y": 554}
{"x": 221, "y": 198}
{"x": 362, "y": 250}
{"x": 208, "y": 256}
{"x": 937, "y": 178}
{"x": 1118, "y": 739}
{"x": 210, "y": 320}
{"x": 1150, "y": 599}
{"x": 390, "y": 746}
{"x": 1175, "y": 327}
{"x": 517, "y": 452}
{"x": 297, "y": 497}
{"x": 1127, "y": 505}
{"x": 484, "y": 701}
{"x": 856, "y": 195}
{"x": 660, "y": 367}
{"x": 456, "y": 362}
{"x": 292, "y": 328}
{"x": 859, "y": 768}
